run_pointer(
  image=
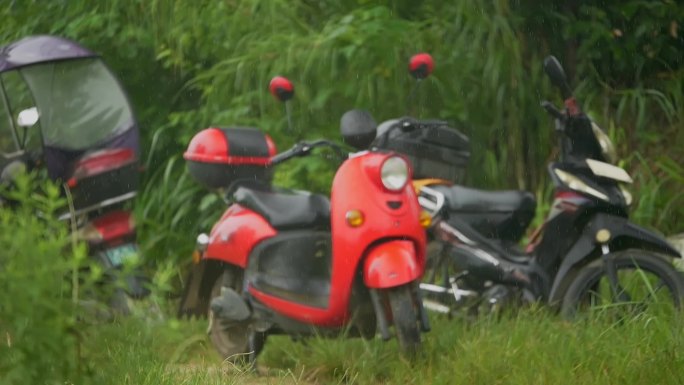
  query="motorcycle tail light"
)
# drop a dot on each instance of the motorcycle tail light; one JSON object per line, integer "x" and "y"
{"x": 101, "y": 162}
{"x": 111, "y": 226}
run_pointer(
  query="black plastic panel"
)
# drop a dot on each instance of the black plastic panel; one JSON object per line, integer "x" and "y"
{"x": 294, "y": 266}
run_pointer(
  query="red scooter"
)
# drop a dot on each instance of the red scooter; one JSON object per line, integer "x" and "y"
{"x": 292, "y": 262}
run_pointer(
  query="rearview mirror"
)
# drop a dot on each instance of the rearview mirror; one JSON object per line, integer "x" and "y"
{"x": 421, "y": 65}
{"x": 281, "y": 88}
{"x": 555, "y": 71}
{"x": 27, "y": 117}
{"x": 358, "y": 128}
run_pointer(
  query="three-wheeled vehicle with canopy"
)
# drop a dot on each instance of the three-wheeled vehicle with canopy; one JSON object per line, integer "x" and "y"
{"x": 63, "y": 111}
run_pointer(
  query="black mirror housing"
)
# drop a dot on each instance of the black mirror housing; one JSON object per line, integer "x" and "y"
{"x": 358, "y": 128}
{"x": 554, "y": 70}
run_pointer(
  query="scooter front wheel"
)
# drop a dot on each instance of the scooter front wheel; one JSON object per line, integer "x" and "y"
{"x": 404, "y": 314}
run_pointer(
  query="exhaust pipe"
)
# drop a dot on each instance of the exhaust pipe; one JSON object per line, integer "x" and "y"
{"x": 483, "y": 264}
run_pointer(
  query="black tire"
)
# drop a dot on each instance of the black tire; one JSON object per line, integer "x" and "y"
{"x": 231, "y": 339}
{"x": 591, "y": 290}
{"x": 405, "y": 318}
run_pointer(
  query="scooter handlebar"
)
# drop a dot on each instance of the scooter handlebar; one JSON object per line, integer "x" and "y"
{"x": 553, "y": 110}
{"x": 304, "y": 148}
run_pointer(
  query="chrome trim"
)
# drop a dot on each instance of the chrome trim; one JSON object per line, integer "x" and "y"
{"x": 459, "y": 293}
{"x": 451, "y": 230}
{"x": 104, "y": 203}
{"x": 431, "y": 200}
{"x": 483, "y": 255}
{"x": 436, "y": 306}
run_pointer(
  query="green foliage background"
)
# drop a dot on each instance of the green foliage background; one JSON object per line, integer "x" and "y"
{"x": 190, "y": 64}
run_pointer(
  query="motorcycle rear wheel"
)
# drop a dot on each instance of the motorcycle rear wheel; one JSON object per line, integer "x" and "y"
{"x": 641, "y": 278}
{"x": 231, "y": 339}
{"x": 405, "y": 318}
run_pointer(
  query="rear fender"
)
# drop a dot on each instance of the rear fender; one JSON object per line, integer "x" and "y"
{"x": 235, "y": 235}
{"x": 391, "y": 264}
{"x": 624, "y": 235}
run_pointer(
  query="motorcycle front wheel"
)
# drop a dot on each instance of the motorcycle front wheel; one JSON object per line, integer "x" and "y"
{"x": 404, "y": 314}
{"x": 643, "y": 282}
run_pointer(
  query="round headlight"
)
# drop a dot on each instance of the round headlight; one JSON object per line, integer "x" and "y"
{"x": 394, "y": 173}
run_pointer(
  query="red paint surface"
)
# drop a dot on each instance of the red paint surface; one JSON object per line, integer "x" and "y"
{"x": 391, "y": 264}
{"x": 210, "y": 146}
{"x": 235, "y": 235}
{"x": 114, "y": 225}
{"x": 281, "y": 88}
{"x": 421, "y": 65}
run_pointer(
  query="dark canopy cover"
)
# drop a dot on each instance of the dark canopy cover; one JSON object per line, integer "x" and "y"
{"x": 81, "y": 104}
{"x": 40, "y": 49}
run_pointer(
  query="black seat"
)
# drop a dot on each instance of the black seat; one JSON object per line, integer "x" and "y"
{"x": 461, "y": 198}
{"x": 287, "y": 209}
{"x": 495, "y": 247}
{"x": 502, "y": 215}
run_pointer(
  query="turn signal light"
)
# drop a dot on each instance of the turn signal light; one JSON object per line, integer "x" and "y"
{"x": 196, "y": 257}
{"x": 354, "y": 218}
{"x": 425, "y": 219}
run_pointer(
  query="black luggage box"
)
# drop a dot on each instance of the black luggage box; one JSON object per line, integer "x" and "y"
{"x": 218, "y": 157}
{"x": 435, "y": 149}
{"x": 103, "y": 178}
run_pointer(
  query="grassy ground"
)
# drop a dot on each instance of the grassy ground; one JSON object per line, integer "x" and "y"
{"x": 530, "y": 348}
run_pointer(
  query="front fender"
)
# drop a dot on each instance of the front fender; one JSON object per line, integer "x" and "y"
{"x": 391, "y": 264}
{"x": 624, "y": 235}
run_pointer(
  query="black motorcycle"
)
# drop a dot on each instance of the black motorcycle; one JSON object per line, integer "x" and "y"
{"x": 587, "y": 254}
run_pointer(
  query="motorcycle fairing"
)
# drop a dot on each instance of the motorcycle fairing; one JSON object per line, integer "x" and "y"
{"x": 624, "y": 235}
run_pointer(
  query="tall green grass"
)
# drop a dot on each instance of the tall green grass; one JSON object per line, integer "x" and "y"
{"x": 41, "y": 281}
{"x": 530, "y": 347}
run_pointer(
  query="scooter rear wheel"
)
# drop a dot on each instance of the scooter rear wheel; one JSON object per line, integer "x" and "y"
{"x": 404, "y": 314}
{"x": 645, "y": 282}
{"x": 231, "y": 339}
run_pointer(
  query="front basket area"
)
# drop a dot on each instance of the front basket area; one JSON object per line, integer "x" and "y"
{"x": 435, "y": 149}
